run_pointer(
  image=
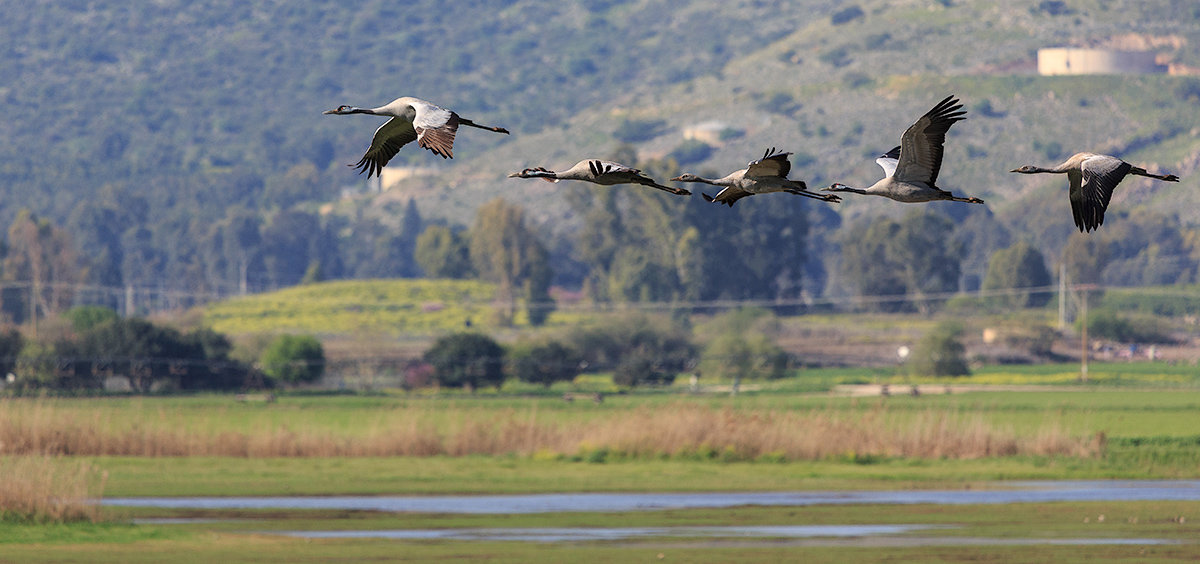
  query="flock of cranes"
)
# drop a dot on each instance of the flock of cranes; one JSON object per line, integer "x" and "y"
{"x": 910, "y": 170}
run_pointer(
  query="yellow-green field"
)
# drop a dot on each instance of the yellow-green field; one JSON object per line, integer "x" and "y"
{"x": 388, "y": 307}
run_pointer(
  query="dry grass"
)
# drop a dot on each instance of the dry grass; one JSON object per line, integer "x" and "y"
{"x": 671, "y": 430}
{"x": 43, "y": 489}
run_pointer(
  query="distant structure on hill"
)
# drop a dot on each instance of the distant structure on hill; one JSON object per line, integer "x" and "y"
{"x": 390, "y": 176}
{"x": 1073, "y": 60}
{"x": 711, "y": 132}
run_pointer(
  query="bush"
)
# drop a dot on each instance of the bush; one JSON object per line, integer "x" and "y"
{"x": 638, "y": 130}
{"x": 1106, "y": 324}
{"x": 469, "y": 360}
{"x": 639, "y": 349}
{"x": 546, "y": 364}
{"x": 742, "y": 345}
{"x": 294, "y": 359}
{"x": 83, "y": 318}
{"x": 846, "y": 15}
{"x": 940, "y": 353}
{"x": 691, "y": 151}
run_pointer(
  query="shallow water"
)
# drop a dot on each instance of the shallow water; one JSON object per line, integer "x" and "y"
{"x": 1013, "y": 492}
{"x": 623, "y": 533}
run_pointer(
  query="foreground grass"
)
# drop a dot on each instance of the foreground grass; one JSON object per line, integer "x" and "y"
{"x": 229, "y": 541}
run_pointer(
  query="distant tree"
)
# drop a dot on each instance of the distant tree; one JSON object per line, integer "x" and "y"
{"x": 470, "y": 360}
{"x": 867, "y": 264}
{"x": 917, "y": 255}
{"x": 290, "y": 242}
{"x": 45, "y": 256}
{"x": 1084, "y": 259}
{"x": 232, "y": 250}
{"x": 314, "y": 273}
{"x": 294, "y": 359}
{"x": 504, "y": 250}
{"x": 638, "y": 130}
{"x": 139, "y": 350}
{"x": 691, "y": 151}
{"x": 545, "y": 363}
{"x": 300, "y": 183}
{"x": 1019, "y": 266}
{"x": 442, "y": 253}
{"x": 940, "y": 352}
{"x": 83, "y": 318}
{"x": 142, "y": 260}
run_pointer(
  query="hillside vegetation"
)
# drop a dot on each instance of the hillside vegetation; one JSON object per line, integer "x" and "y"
{"x": 148, "y": 130}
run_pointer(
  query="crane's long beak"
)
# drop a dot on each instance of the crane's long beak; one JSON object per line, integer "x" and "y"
{"x": 514, "y": 175}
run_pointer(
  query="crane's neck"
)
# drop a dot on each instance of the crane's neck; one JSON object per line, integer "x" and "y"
{"x": 839, "y": 187}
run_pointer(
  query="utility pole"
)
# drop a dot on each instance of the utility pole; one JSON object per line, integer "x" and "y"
{"x": 1083, "y": 358}
{"x": 1062, "y": 296}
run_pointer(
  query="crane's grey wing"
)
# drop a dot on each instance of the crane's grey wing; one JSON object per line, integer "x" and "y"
{"x": 435, "y": 129}
{"x": 770, "y": 165}
{"x": 1092, "y": 189}
{"x": 727, "y": 196}
{"x": 393, "y": 134}
{"x": 888, "y": 161}
{"x": 921, "y": 145}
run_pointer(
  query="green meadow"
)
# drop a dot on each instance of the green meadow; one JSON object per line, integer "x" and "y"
{"x": 511, "y": 442}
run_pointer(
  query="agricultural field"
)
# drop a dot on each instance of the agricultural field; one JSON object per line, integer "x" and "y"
{"x": 667, "y": 440}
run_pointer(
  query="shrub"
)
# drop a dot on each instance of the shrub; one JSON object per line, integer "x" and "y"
{"x": 744, "y": 346}
{"x": 691, "y": 151}
{"x": 469, "y": 360}
{"x": 83, "y": 318}
{"x": 846, "y": 15}
{"x": 546, "y": 364}
{"x": 1106, "y": 324}
{"x": 940, "y": 353}
{"x": 638, "y": 348}
{"x": 294, "y": 359}
{"x": 11, "y": 342}
{"x": 637, "y": 130}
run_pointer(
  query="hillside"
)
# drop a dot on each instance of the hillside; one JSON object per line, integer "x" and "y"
{"x": 180, "y": 114}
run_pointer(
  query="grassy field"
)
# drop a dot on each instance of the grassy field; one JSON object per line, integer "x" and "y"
{"x": 645, "y": 441}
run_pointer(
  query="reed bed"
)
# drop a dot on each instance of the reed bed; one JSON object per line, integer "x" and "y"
{"x": 49, "y": 489}
{"x": 665, "y": 431}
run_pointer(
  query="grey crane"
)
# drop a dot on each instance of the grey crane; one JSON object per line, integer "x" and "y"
{"x": 766, "y": 175}
{"x": 413, "y": 119}
{"x": 1093, "y": 178}
{"x": 911, "y": 170}
{"x": 605, "y": 173}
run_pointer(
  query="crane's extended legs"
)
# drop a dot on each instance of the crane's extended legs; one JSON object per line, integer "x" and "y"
{"x": 822, "y": 197}
{"x": 465, "y": 121}
{"x": 1142, "y": 172}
